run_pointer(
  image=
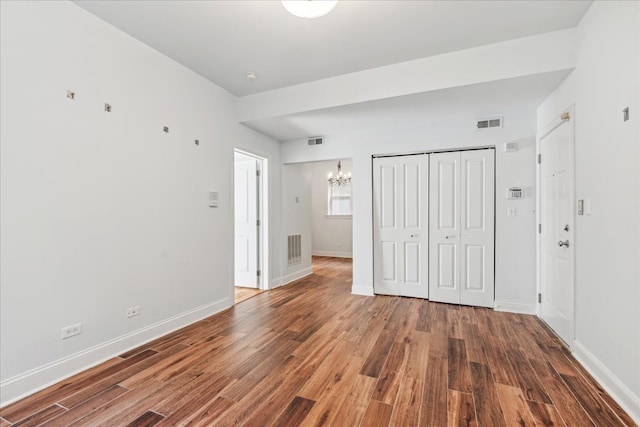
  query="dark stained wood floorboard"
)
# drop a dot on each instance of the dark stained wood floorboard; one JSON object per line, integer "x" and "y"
{"x": 310, "y": 353}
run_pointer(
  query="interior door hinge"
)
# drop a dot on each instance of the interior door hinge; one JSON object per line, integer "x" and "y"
{"x": 539, "y": 228}
{"x": 257, "y": 172}
{"x": 539, "y": 298}
{"x": 258, "y": 223}
{"x": 539, "y": 159}
{"x": 259, "y": 273}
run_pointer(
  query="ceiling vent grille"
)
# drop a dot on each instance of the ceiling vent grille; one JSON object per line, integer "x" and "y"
{"x": 315, "y": 140}
{"x": 494, "y": 122}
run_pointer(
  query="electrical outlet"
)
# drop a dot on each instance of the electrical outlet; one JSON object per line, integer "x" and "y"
{"x": 70, "y": 331}
{"x": 133, "y": 311}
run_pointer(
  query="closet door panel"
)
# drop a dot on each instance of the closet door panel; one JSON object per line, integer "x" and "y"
{"x": 400, "y": 196}
{"x": 444, "y": 227}
{"x": 477, "y": 230}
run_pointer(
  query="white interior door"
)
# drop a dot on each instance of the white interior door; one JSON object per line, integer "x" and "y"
{"x": 246, "y": 231}
{"x": 444, "y": 227}
{"x": 400, "y": 193}
{"x": 461, "y": 227}
{"x": 477, "y": 228}
{"x": 557, "y": 222}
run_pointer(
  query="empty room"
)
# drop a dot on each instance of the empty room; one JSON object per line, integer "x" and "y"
{"x": 319, "y": 212}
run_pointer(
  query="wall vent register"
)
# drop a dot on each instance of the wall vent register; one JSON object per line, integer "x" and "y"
{"x": 493, "y": 122}
{"x": 315, "y": 140}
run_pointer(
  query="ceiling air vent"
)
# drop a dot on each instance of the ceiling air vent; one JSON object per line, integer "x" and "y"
{"x": 494, "y": 122}
{"x": 315, "y": 140}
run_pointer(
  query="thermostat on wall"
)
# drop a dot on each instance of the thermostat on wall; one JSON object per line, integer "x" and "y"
{"x": 515, "y": 193}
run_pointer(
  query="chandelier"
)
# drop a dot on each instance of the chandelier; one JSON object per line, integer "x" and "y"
{"x": 339, "y": 179}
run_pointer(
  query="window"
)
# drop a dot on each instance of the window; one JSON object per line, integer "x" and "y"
{"x": 339, "y": 199}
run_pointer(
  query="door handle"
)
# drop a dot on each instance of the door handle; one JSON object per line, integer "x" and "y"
{"x": 565, "y": 243}
{"x": 450, "y": 237}
{"x": 415, "y": 235}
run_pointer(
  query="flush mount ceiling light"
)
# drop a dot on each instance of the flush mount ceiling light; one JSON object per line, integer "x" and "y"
{"x": 309, "y": 8}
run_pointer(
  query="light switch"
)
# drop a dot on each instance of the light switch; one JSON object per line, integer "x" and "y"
{"x": 213, "y": 199}
{"x": 511, "y": 211}
{"x": 587, "y": 206}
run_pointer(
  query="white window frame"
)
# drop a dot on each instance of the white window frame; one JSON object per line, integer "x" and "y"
{"x": 329, "y": 213}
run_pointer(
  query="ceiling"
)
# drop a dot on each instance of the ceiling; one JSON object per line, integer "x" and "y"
{"x": 428, "y": 109}
{"x": 223, "y": 40}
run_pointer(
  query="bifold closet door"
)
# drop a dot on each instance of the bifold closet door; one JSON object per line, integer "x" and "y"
{"x": 461, "y": 227}
{"x": 400, "y": 197}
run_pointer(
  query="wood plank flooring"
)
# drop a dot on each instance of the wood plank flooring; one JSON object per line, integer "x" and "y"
{"x": 242, "y": 293}
{"x": 310, "y": 353}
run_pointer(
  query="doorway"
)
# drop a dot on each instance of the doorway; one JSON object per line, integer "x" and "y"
{"x": 556, "y": 227}
{"x": 250, "y": 229}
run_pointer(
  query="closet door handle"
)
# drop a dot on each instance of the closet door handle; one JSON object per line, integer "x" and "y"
{"x": 450, "y": 237}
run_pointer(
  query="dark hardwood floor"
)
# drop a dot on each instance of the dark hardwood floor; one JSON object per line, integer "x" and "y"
{"x": 310, "y": 353}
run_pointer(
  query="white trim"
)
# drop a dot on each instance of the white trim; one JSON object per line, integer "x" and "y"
{"x": 362, "y": 290}
{"x": 515, "y": 307}
{"x": 296, "y": 275}
{"x": 15, "y": 388}
{"x": 336, "y": 216}
{"x": 612, "y": 384}
{"x": 332, "y": 254}
{"x": 276, "y": 283}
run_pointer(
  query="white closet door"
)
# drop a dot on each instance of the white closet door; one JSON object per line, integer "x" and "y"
{"x": 477, "y": 228}
{"x": 400, "y": 193}
{"x": 461, "y": 227}
{"x": 444, "y": 227}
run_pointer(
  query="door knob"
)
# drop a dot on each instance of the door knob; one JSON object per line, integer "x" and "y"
{"x": 566, "y": 227}
{"x": 415, "y": 235}
{"x": 565, "y": 243}
{"x": 450, "y": 237}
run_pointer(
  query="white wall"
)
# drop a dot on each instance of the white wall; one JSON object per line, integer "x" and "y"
{"x": 296, "y": 205}
{"x": 331, "y": 236}
{"x": 515, "y": 257}
{"x": 104, "y": 211}
{"x": 607, "y": 305}
{"x": 261, "y": 145}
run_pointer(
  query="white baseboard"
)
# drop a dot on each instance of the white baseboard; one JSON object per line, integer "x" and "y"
{"x": 362, "y": 290}
{"x": 276, "y": 283}
{"x": 514, "y": 307}
{"x": 612, "y": 384}
{"x": 15, "y": 388}
{"x": 333, "y": 254}
{"x": 296, "y": 275}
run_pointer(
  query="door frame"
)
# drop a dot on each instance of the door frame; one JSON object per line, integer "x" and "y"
{"x": 262, "y": 190}
{"x": 433, "y": 151}
{"x": 566, "y": 117}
